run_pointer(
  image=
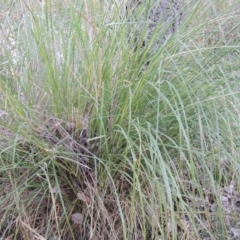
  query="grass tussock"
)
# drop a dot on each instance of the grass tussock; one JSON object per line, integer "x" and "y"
{"x": 102, "y": 138}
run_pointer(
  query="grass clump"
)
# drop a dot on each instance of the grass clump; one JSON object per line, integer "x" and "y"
{"x": 102, "y": 138}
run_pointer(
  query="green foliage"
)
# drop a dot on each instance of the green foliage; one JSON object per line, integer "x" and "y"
{"x": 137, "y": 143}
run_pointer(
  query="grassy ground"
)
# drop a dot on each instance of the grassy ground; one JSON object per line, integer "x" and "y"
{"x": 96, "y": 144}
